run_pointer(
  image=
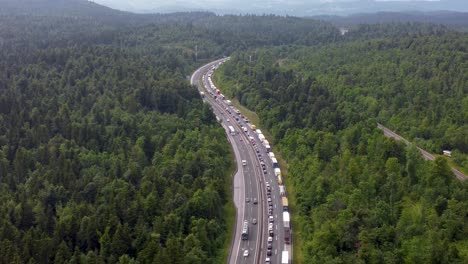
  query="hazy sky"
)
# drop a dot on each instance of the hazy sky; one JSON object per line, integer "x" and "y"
{"x": 207, "y": 4}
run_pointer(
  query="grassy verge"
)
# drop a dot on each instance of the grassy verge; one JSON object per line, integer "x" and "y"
{"x": 229, "y": 212}
{"x": 254, "y": 119}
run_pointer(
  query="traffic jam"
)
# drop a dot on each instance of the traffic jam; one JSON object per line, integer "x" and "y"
{"x": 232, "y": 115}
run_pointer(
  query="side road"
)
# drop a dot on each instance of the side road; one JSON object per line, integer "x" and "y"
{"x": 425, "y": 154}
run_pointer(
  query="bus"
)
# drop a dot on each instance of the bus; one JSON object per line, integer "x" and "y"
{"x": 245, "y": 230}
{"x": 232, "y": 131}
{"x": 285, "y": 204}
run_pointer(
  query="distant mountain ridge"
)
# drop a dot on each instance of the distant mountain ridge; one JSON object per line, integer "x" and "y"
{"x": 89, "y": 10}
{"x": 449, "y": 18}
{"x": 305, "y": 8}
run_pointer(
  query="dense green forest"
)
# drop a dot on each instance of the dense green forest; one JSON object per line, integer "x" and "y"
{"x": 361, "y": 197}
{"x": 106, "y": 153}
{"x": 108, "y": 156}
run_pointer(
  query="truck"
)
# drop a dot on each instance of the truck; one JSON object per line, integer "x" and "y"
{"x": 280, "y": 180}
{"x": 265, "y": 142}
{"x": 261, "y": 137}
{"x": 202, "y": 94}
{"x": 287, "y": 227}
{"x": 277, "y": 172}
{"x": 228, "y": 102}
{"x": 282, "y": 190}
{"x": 275, "y": 162}
{"x": 271, "y": 155}
{"x": 258, "y": 131}
{"x": 268, "y": 148}
{"x": 285, "y": 204}
{"x": 285, "y": 257}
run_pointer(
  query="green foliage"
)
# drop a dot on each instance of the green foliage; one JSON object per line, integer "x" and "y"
{"x": 106, "y": 156}
{"x": 361, "y": 197}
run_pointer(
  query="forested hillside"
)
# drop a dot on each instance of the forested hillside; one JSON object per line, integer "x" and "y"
{"x": 106, "y": 153}
{"x": 361, "y": 197}
{"x": 108, "y": 156}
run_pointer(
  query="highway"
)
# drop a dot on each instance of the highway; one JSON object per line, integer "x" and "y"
{"x": 426, "y": 155}
{"x": 250, "y": 181}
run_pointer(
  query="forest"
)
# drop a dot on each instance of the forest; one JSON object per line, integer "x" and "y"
{"x": 107, "y": 154}
{"x": 361, "y": 197}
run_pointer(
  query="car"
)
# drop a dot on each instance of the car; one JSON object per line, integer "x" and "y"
{"x": 270, "y": 219}
{"x": 244, "y": 162}
{"x": 269, "y": 246}
{"x": 247, "y": 200}
{"x": 240, "y": 139}
{"x": 270, "y": 213}
{"x": 254, "y": 221}
{"x": 269, "y": 252}
{"x": 227, "y": 120}
{"x": 246, "y": 253}
{"x": 255, "y": 201}
{"x": 269, "y": 199}
{"x": 267, "y": 261}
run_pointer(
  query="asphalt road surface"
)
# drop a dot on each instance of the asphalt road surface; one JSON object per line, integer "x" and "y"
{"x": 249, "y": 181}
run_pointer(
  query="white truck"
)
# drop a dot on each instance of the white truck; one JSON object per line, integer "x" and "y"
{"x": 261, "y": 137}
{"x": 287, "y": 227}
{"x": 271, "y": 155}
{"x": 285, "y": 257}
{"x": 277, "y": 172}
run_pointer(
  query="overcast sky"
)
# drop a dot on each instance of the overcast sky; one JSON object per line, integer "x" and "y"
{"x": 152, "y": 4}
{"x": 286, "y": 7}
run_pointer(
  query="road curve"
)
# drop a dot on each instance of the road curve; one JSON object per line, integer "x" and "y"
{"x": 249, "y": 182}
{"x": 426, "y": 155}
{"x": 245, "y": 184}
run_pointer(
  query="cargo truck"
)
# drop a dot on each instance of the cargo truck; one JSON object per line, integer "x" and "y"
{"x": 261, "y": 137}
{"x": 287, "y": 228}
{"x": 271, "y": 155}
{"x": 285, "y": 204}
{"x": 258, "y": 131}
{"x": 285, "y": 257}
{"x": 268, "y": 148}
{"x": 275, "y": 163}
{"x": 282, "y": 190}
{"x": 277, "y": 172}
{"x": 280, "y": 180}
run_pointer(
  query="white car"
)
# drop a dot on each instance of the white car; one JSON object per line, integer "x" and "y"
{"x": 244, "y": 162}
{"x": 246, "y": 253}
